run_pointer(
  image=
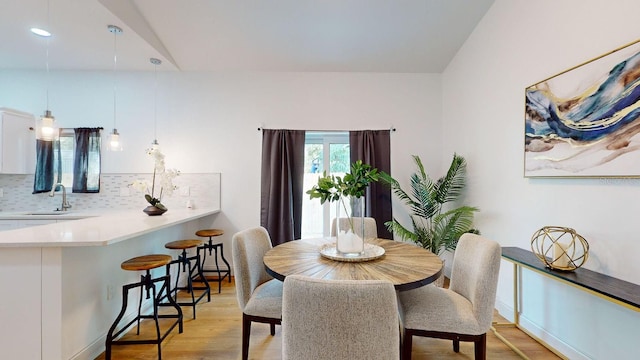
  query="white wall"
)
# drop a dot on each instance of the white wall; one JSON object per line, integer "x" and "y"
{"x": 517, "y": 44}
{"x": 207, "y": 122}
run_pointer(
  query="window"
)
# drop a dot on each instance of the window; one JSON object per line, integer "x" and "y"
{"x": 323, "y": 151}
{"x": 73, "y": 159}
{"x": 67, "y": 149}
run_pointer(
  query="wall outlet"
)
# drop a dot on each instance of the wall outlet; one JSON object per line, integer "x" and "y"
{"x": 185, "y": 190}
{"x": 124, "y": 191}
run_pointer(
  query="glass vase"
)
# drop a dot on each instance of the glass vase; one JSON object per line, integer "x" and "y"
{"x": 350, "y": 226}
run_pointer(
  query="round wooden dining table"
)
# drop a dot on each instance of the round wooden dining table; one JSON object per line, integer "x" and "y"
{"x": 405, "y": 265}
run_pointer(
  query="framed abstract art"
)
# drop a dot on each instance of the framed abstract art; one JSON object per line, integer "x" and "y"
{"x": 585, "y": 121}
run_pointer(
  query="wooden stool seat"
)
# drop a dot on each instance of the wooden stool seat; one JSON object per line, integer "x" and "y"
{"x": 183, "y": 244}
{"x": 209, "y": 232}
{"x": 146, "y": 262}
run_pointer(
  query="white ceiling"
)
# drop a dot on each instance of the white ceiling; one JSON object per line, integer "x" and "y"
{"x": 239, "y": 35}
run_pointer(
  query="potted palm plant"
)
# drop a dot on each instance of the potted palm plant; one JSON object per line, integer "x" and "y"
{"x": 348, "y": 192}
{"x": 434, "y": 227}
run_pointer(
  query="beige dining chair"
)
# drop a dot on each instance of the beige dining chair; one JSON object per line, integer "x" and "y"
{"x": 339, "y": 319}
{"x": 259, "y": 295}
{"x": 370, "y": 226}
{"x": 464, "y": 311}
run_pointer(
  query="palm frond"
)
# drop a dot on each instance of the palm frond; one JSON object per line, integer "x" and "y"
{"x": 399, "y": 230}
{"x": 422, "y": 190}
{"x": 450, "y": 225}
{"x": 450, "y": 186}
{"x": 397, "y": 190}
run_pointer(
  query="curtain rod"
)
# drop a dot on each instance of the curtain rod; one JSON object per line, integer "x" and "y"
{"x": 392, "y": 129}
{"x": 99, "y": 128}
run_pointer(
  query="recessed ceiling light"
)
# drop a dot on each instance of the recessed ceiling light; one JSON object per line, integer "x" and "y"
{"x": 40, "y": 32}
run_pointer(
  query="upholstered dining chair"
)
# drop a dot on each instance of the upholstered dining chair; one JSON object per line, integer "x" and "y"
{"x": 259, "y": 295}
{"x": 464, "y": 311}
{"x": 370, "y": 227}
{"x": 339, "y": 319}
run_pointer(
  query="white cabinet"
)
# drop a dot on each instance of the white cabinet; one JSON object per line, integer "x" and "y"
{"x": 18, "y": 142}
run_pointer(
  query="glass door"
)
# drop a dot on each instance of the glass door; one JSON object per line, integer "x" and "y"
{"x": 323, "y": 151}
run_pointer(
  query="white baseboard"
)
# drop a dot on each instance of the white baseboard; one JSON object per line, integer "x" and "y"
{"x": 506, "y": 310}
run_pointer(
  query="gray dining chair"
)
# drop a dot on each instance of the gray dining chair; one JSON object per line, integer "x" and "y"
{"x": 464, "y": 311}
{"x": 370, "y": 226}
{"x": 259, "y": 295}
{"x": 339, "y": 319}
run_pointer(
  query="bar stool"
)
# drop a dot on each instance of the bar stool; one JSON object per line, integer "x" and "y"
{"x": 146, "y": 263}
{"x": 184, "y": 260}
{"x": 210, "y": 233}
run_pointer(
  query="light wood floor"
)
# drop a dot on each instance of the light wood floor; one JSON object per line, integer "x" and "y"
{"x": 216, "y": 334}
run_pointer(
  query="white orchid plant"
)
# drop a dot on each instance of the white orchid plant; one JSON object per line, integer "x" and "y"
{"x": 164, "y": 179}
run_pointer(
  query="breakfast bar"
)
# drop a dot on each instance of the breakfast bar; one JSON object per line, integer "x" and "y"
{"x": 61, "y": 282}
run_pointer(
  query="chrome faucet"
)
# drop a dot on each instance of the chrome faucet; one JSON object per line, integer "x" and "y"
{"x": 65, "y": 203}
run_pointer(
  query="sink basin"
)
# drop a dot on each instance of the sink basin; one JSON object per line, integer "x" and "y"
{"x": 45, "y": 212}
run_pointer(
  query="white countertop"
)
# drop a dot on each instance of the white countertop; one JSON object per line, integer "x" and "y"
{"x": 94, "y": 230}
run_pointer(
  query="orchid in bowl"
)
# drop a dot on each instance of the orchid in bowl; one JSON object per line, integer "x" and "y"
{"x": 162, "y": 179}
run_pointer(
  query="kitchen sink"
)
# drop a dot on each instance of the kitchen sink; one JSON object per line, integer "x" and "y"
{"x": 45, "y": 212}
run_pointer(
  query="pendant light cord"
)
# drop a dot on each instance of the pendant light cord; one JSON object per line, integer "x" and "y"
{"x": 115, "y": 61}
{"x": 155, "y": 102}
{"x": 155, "y": 63}
{"x": 47, "y": 52}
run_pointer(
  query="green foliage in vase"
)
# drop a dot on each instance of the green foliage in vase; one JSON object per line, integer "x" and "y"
{"x": 433, "y": 227}
{"x": 331, "y": 188}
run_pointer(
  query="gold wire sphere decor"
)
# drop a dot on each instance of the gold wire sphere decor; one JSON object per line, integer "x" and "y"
{"x": 560, "y": 248}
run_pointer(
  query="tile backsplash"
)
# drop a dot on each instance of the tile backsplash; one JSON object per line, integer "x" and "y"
{"x": 203, "y": 190}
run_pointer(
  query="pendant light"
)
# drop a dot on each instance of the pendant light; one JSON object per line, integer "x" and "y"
{"x": 45, "y": 126}
{"x": 155, "y": 145}
{"x": 115, "y": 143}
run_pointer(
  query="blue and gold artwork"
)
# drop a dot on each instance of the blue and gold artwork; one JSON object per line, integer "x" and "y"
{"x": 586, "y": 120}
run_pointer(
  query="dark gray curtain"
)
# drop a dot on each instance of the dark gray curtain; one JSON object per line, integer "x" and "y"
{"x": 281, "y": 187}
{"x": 373, "y": 147}
{"x": 86, "y": 160}
{"x": 47, "y": 169}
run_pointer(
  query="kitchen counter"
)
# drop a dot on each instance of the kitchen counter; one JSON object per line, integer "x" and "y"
{"x": 62, "y": 281}
{"x": 92, "y": 229}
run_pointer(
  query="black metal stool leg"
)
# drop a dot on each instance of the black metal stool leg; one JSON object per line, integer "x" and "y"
{"x": 110, "y": 335}
{"x": 190, "y": 289}
{"x": 228, "y": 275}
{"x": 166, "y": 287}
{"x": 155, "y": 318}
{"x": 218, "y": 270}
{"x": 145, "y": 282}
{"x": 203, "y": 278}
{"x": 203, "y": 257}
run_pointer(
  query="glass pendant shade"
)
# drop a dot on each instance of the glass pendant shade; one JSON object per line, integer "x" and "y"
{"x": 115, "y": 144}
{"x": 45, "y": 128}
